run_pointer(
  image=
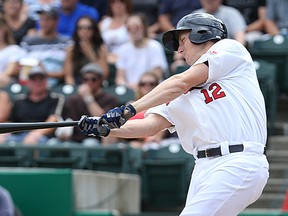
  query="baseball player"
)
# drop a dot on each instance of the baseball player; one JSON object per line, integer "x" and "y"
{"x": 218, "y": 111}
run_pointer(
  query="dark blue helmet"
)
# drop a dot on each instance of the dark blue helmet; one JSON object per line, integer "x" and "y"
{"x": 203, "y": 26}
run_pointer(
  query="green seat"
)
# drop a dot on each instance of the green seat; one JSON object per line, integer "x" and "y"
{"x": 274, "y": 50}
{"x": 15, "y": 89}
{"x": 112, "y": 158}
{"x": 266, "y": 74}
{"x": 122, "y": 93}
{"x": 165, "y": 178}
{"x": 61, "y": 155}
{"x": 112, "y": 75}
{"x": 64, "y": 89}
{"x": 14, "y": 155}
{"x": 181, "y": 68}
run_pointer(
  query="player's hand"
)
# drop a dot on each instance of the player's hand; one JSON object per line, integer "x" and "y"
{"x": 117, "y": 117}
{"x": 90, "y": 126}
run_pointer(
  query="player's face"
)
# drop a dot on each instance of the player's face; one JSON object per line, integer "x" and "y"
{"x": 190, "y": 52}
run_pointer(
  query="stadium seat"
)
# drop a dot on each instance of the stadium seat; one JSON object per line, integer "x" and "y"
{"x": 64, "y": 89}
{"x": 14, "y": 89}
{"x": 112, "y": 158}
{"x": 165, "y": 178}
{"x": 15, "y": 155}
{"x": 122, "y": 93}
{"x": 61, "y": 155}
{"x": 181, "y": 68}
{"x": 274, "y": 50}
{"x": 266, "y": 73}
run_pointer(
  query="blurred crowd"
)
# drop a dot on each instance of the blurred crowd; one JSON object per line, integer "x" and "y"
{"x": 95, "y": 44}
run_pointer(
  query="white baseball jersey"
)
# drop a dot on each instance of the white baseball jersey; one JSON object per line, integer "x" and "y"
{"x": 228, "y": 107}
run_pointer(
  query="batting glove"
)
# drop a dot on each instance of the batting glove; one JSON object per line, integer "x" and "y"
{"x": 118, "y": 116}
{"x": 90, "y": 126}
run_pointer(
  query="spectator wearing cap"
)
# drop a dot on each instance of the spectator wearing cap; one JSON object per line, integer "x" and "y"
{"x": 90, "y": 100}
{"x": 37, "y": 105}
{"x": 70, "y": 12}
{"x": 33, "y": 6}
{"x": 47, "y": 45}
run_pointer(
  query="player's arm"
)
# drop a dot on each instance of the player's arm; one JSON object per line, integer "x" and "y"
{"x": 173, "y": 87}
{"x": 165, "y": 92}
{"x": 141, "y": 128}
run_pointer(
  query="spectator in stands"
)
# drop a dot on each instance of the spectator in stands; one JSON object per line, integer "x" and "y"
{"x": 171, "y": 11}
{"x": 48, "y": 46}
{"x": 90, "y": 100}
{"x": 113, "y": 27}
{"x": 276, "y": 18}
{"x": 33, "y": 6}
{"x": 5, "y": 106}
{"x": 141, "y": 54}
{"x": 70, "y": 12}
{"x": 147, "y": 82}
{"x": 233, "y": 19}
{"x": 150, "y": 8}
{"x": 38, "y": 105}
{"x": 20, "y": 23}
{"x": 9, "y": 55}
{"x": 88, "y": 47}
{"x": 5, "y": 110}
{"x": 254, "y": 12}
{"x": 100, "y": 5}
{"x": 7, "y": 207}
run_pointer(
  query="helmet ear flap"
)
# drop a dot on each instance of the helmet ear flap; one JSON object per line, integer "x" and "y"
{"x": 199, "y": 35}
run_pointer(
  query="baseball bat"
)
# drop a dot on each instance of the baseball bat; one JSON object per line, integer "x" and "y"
{"x": 17, "y": 127}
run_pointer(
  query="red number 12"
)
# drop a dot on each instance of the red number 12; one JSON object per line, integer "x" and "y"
{"x": 214, "y": 92}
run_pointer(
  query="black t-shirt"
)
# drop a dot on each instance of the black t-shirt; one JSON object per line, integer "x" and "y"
{"x": 18, "y": 34}
{"x": 25, "y": 110}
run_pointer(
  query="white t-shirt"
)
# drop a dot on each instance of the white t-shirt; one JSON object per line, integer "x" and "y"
{"x": 11, "y": 53}
{"x": 136, "y": 61}
{"x": 229, "y": 106}
{"x": 113, "y": 38}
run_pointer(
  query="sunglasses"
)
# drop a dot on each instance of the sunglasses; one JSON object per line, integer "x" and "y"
{"x": 150, "y": 84}
{"x": 37, "y": 77}
{"x": 94, "y": 79}
{"x": 85, "y": 27}
{"x": 116, "y": 1}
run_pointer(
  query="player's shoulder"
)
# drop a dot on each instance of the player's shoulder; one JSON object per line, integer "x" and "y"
{"x": 229, "y": 45}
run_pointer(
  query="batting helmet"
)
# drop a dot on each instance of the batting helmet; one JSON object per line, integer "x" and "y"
{"x": 203, "y": 26}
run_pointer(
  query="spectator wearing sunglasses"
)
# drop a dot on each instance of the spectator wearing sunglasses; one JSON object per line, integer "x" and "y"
{"x": 88, "y": 47}
{"x": 90, "y": 100}
{"x": 149, "y": 81}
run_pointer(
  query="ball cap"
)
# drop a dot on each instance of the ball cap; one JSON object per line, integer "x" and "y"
{"x": 37, "y": 70}
{"x": 91, "y": 68}
{"x": 49, "y": 10}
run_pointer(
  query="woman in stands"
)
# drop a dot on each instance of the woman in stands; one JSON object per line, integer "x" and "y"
{"x": 88, "y": 47}
{"x": 9, "y": 54}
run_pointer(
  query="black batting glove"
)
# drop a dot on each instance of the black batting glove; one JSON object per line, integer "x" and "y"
{"x": 90, "y": 126}
{"x": 118, "y": 116}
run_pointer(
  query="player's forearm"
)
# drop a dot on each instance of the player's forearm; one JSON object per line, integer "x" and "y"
{"x": 133, "y": 129}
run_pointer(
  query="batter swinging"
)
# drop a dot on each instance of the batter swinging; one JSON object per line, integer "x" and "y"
{"x": 218, "y": 111}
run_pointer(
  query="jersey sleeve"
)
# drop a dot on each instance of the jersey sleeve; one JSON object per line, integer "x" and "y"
{"x": 224, "y": 59}
{"x": 163, "y": 111}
